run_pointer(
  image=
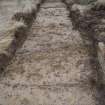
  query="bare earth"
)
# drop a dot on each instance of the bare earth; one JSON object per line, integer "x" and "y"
{"x": 52, "y": 67}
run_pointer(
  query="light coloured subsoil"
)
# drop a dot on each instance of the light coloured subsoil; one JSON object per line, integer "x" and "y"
{"x": 52, "y": 67}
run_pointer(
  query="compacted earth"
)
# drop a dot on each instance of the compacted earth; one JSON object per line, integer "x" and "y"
{"x": 53, "y": 66}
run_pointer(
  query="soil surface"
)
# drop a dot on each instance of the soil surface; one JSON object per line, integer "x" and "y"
{"x": 52, "y": 67}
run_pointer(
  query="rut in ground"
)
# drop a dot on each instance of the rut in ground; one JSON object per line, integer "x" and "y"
{"x": 52, "y": 67}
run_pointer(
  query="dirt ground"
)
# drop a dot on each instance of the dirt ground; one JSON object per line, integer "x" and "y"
{"x": 53, "y": 66}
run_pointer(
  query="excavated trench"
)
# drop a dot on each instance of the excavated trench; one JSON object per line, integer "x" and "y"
{"x": 55, "y": 66}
